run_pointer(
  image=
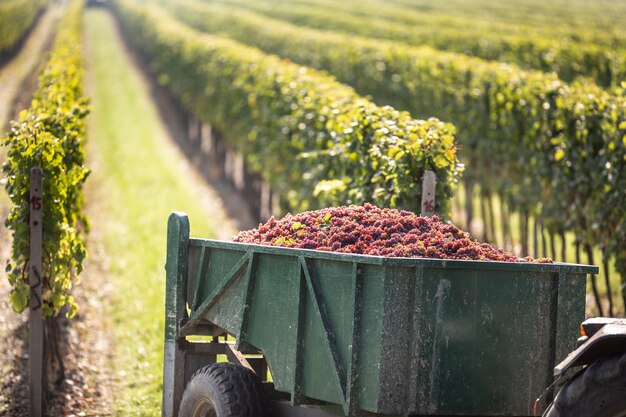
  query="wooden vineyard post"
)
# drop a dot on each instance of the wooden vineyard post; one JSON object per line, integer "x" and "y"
{"x": 429, "y": 183}
{"x": 35, "y": 319}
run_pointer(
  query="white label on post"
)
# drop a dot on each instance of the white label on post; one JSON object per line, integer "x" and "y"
{"x": 429, "y": 183}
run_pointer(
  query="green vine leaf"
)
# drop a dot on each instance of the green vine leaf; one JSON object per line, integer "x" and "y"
{"x": 50, "y": 134}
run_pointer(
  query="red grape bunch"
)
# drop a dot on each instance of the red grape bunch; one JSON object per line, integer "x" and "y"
{"x": 370, "y": 230}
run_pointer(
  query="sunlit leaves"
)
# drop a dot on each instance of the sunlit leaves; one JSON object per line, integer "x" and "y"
{"x": 50, "y": 134}
{"x": 16, "y": 17}
{"x": 315, "y": 140}
{"x": 541, "y": 144}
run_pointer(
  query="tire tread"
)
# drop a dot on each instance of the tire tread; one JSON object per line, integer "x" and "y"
{"x": 598, "y": 391}
{"x": 238, "y": 390}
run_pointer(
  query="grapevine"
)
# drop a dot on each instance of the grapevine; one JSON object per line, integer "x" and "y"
{"x": 16, "y": 17}
{"x": 50, "y": 134}
{"x": 316, "y": 141}
{"x": 583, "y": 53}
{"x": 549, "y": 149}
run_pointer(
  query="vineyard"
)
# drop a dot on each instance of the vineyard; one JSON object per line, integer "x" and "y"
{"x": 235, "y": 111}
{"x": 568, "y": 54}
{"x": 16, "y": 18}
{"x": 520, "y": 131}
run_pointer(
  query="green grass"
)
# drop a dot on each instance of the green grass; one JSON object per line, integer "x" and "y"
{"x": 137, "y": 181}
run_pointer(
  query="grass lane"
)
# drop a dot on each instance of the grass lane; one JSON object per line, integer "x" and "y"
{"x": 138, "y": 178}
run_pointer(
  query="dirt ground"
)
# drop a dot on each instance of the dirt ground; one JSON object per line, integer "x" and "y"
{"x": 83, "y": 392}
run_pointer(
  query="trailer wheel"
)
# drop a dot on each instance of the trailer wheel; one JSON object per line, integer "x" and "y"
{"x": 223, "y": 390}
{"x": 598, "y": 391}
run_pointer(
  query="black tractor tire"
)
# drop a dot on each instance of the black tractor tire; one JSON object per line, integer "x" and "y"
{"x": 224, "y": 390}
{"x": 597, "y": 391}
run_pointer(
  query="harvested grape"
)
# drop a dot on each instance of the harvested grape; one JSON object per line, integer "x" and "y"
{"x": 370, "y": 230}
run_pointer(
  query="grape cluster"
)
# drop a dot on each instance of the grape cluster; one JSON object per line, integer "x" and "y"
{"x": 370, "y": 230}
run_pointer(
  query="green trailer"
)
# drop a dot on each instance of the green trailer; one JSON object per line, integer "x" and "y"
{"x": 359, "y": 335}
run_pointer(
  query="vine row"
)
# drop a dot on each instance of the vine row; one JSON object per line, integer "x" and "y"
{"x": 575, "y": 22}
{"x": 50, "y": 134}
{"x": 313, "y": 139}
{"x": 16, "y": 18}
{"x": 550, "y": 149}
{"x": 568, "y": 58}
